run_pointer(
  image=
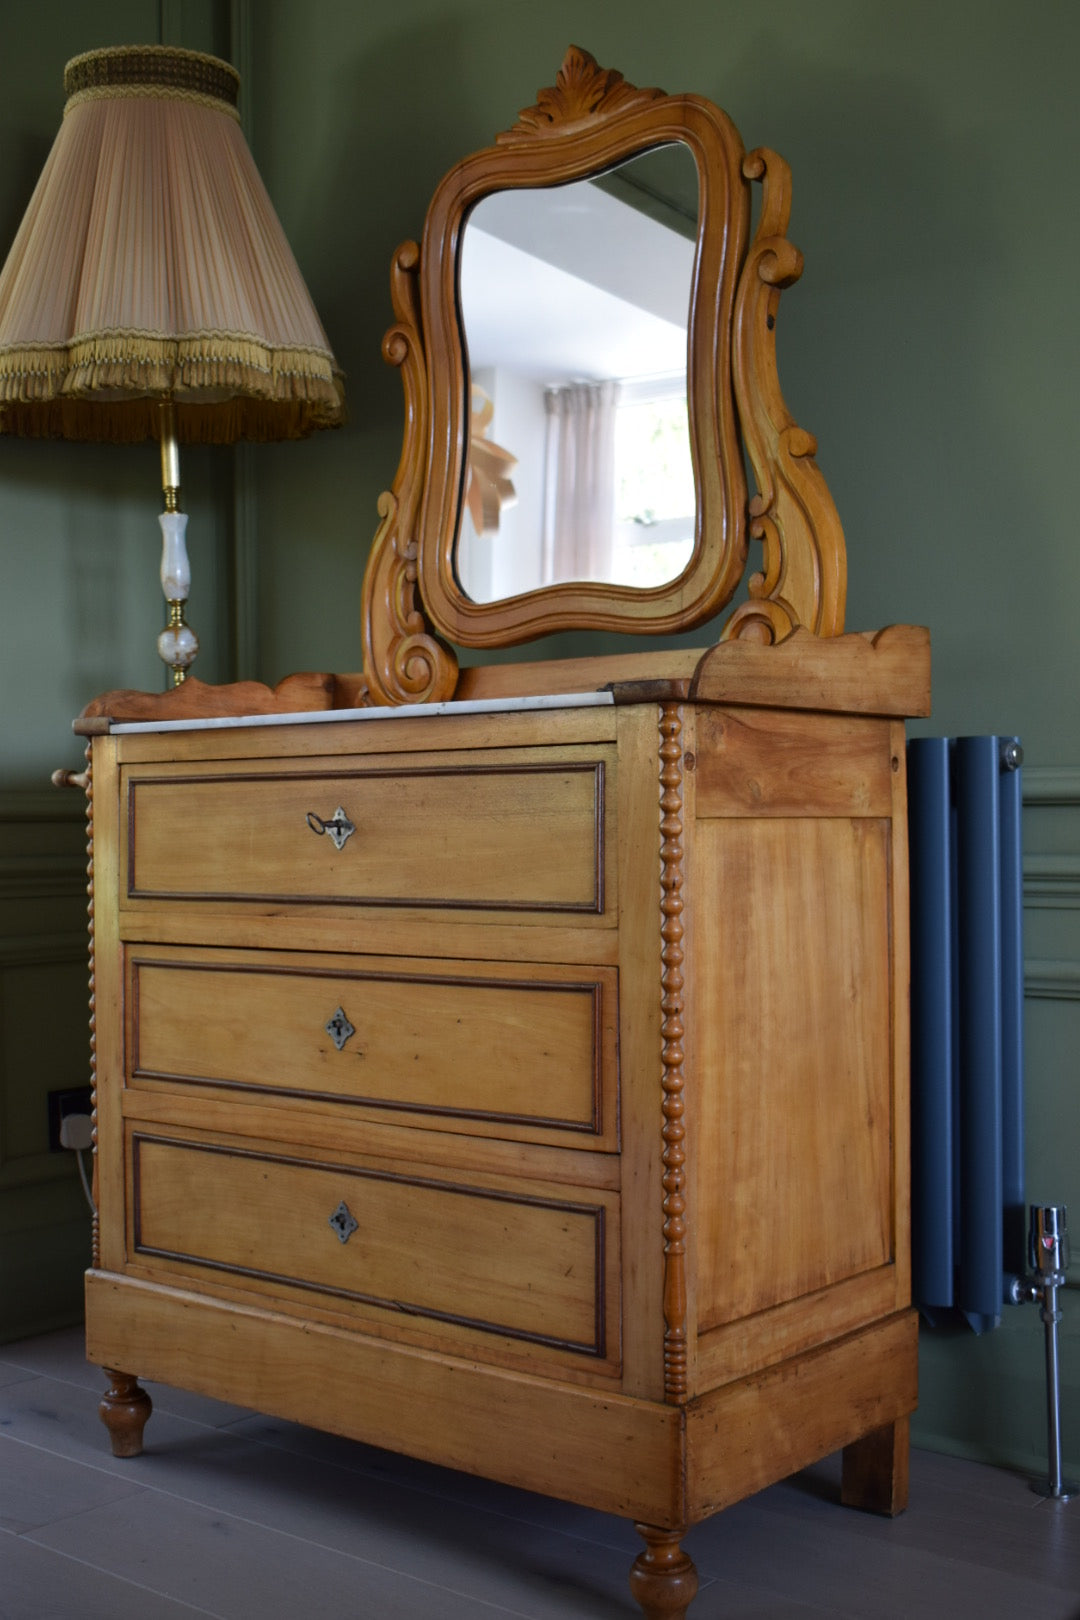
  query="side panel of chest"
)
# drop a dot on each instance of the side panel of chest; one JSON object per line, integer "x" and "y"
{"x": 797, "y": 1111}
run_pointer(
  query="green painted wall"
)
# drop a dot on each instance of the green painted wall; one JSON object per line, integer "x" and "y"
{"x": 80, "y": 608}
{"x": 931, "y": 346}
{"x": 80, "y": 601}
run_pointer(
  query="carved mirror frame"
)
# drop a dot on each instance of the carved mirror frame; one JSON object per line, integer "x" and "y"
{"x": 413, "y": 606}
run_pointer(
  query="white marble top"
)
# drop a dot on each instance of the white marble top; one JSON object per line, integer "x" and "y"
{"x": 405, "y": 711}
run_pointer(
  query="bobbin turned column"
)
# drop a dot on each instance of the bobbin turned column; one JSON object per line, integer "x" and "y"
{"x": 663, "y": 1578}
{"x": 124, "y": 1409}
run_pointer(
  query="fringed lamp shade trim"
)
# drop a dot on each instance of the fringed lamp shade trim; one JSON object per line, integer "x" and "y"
{"x": 108, "y": 389}
{"x": 150, "y": 264}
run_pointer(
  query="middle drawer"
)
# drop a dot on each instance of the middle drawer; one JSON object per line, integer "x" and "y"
{"x": 524, "y": 1051}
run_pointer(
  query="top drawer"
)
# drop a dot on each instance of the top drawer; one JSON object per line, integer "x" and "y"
{"x": 513, "y": 834}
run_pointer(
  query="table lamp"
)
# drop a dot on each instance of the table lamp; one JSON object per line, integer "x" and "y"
{"x": 150, "y": 292}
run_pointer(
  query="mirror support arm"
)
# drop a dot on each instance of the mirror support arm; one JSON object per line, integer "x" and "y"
{"x": 803, "y": 580}
{"x": 404, "y": 660}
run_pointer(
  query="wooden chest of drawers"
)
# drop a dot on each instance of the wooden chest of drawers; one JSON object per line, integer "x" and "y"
{"x": 549, "y": 1122}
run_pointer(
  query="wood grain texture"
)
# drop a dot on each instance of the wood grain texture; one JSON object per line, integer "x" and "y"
{"x": 744, "y": 1346}
{"x": 729, "y": 1037}
{"x": 901, "y": 1021}
{"x": 511, "y": 836}
{"x": 880, "y": 672}
{"x": 796, "y": 1116}
{"x": 875, "y": 1469}
{"x": 538, "y": 936}
{"x": 750, "y": 1433}
{"x": 388, "y": 735}
{"x": 526, "y": 1263}
{"x": 325, "y": 1130}
{"x": 769, "y": 762}
{"x": 593, "y": 674}
{"x": 803, "y": 578}
{"x": 404, "y": 662}
{"x": 527, "y": 1052}
{"x": 194, "y": 698}
{"x": 599, "y": 1448}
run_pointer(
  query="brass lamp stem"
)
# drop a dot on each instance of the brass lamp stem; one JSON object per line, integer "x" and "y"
{"x": 170, "y": 456}
{"x": 178, "y": 643}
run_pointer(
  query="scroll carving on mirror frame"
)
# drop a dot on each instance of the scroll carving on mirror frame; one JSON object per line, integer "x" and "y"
{"x": 587, "y": 125}
{"x": 582, "y": 90}
{"x": 415, "y": 607}
{"x": 404, "y": 661}
{"x": 803, "y": 579}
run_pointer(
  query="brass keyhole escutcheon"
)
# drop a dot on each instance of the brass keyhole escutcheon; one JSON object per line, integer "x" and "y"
{"x": 344, "y": 1222}
{"x": 339, "y": 826}
{"x": 339, "y": 1028}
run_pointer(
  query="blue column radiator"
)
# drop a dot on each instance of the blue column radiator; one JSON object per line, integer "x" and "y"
{"x": 967, "y": 994}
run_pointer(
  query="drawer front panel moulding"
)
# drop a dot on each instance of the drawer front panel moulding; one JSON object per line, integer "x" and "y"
{"x": 531, "y": 1050}
{"x": 528, "y": 1267}
{"x": 498, "y": 838}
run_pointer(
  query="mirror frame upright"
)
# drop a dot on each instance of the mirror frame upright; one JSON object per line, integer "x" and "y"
{"x": 590, "y": 120}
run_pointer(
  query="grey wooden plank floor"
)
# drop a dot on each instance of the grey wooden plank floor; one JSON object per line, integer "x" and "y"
{"x": 242, "y": 1517}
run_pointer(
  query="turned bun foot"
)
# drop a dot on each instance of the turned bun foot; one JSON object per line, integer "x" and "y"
{"x": 663, "y": 1579}
{"x": 124, "y": 1410}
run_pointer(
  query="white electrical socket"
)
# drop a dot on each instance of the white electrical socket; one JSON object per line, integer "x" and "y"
{"x": 75, "y": 1131}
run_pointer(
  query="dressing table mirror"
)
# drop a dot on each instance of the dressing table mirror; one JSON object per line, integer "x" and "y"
{"x": 506, "y": 1063}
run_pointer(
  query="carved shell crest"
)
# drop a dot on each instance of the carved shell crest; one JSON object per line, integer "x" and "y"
{"x": 582, "y": 89}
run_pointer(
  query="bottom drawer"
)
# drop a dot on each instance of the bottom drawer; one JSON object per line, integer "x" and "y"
{"x": 530, "y": 1265}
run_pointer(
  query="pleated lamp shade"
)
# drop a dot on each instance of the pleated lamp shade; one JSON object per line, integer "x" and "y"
{"x": 150, "y": 265}
{"x": 150, "y": 291}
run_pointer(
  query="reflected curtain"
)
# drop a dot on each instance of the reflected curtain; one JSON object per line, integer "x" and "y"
{"x": 579, "y": 482}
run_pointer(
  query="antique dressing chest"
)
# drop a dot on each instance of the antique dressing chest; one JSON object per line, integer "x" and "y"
{"x": 508, "y": 1065}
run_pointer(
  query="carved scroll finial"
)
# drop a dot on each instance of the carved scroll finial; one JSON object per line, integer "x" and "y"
{"x": 672, "y": 1030}
{"x": 582, "y": 89}
{"x": 803, "y": 579}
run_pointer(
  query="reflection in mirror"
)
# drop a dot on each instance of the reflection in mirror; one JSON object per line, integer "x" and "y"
{"x": 575, "y": 302}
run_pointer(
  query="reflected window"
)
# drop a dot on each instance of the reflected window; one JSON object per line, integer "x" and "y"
{"x": 654, "y": 496}
{"x": 575, "y": 302}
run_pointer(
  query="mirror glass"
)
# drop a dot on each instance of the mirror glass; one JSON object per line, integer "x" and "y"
{"x": 575, "y": 302}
